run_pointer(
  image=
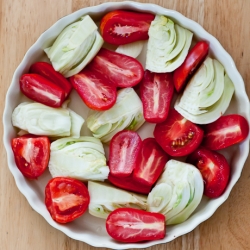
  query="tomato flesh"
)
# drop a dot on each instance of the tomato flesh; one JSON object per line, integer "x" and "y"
{"x": 150, "y": 163}
{"x": 178, "y": 136}
{"x": 226, "y": 131}
{"x": 31, "y": 154}
{"x": 129, "y": 183}
{"x": 156, "y": 91}
{"x": 40, "y": 89}
{"x": 134, "y": 225}
{"x": 193, "y": 60}
{"x": 124, "y": 149}
{"x": 95, "y": 91}
{"x": 66, "y": 199}
{"x": 214, "y": 169}
{"x": 122, "y": 70}
{"x": 46, "y": 70}
{"x": 121, "y": 27}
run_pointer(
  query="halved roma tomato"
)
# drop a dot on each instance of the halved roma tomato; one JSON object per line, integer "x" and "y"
{"x": 194, "y": 58}
{"x": 178, "y": 136}
{"x": 156, "y": 91}
{"x": 46, "y": 70}
{"x": 31, "y": 154}
{"x": 66, "y": 199}
{"x": 129, "y": 183}
{"x": 150, "y": 162}
{"x": 121, "y": 27}
{"x": 214, "y": 170}
{"x": 40, "y": 89}
{"x": 226, "y": 131}
{"x": 95, "y": 91}
{"x": 134, "y": 225}
{"x": 123, "y": 71}
{"x": 124, "y": 149}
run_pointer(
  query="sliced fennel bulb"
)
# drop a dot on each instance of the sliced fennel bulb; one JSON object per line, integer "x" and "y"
{"x": 207, "y": 95}
{"x": 75, "y": 47}
{"x": 131, "y": 49}
{"x": 177, "y": 192}
{"x": 105, "y": 198}
{"x": 80, "y": 158}
{"x": 214, "y": 91}
{"x": 76, "y": 123}
{"x": 168, "y": 45}
{"x": 127, "y": 113}
{"x": 96, "y": 46}
{"x": 39, "y": 119}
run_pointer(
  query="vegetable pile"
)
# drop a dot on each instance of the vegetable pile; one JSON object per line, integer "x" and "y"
{"x": 141, "y": 186}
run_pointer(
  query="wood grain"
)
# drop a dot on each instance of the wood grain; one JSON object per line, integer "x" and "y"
{"x": 21, "y": 23}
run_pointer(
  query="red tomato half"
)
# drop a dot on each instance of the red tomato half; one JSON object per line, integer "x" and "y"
{"x": 134, "y": 225}
{"x": 156, "y": 91}
{"x": 31, "y": 154}
{"x": 150, "y": 163}
{"x": 40, "y": 89}
{"x": 121, "y": 27}
{"x": 129, "y": 183}
{"x": 214, "y": 170}
{"x": 96, "y": 92}
{"x": 66, "y": 199}
{"x": 123, "y": 71}
{"x": 226, "y": 131}
{"x": 124, "y": 149}
{"x": 46, "y": 70}
{"x": 193, "y": 60}
{"x": 178, "y": 136}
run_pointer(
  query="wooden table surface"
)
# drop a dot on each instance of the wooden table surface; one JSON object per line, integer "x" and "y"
{"x": 21, "y": 23}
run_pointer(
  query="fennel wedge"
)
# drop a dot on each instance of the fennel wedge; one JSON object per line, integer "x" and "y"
{"x": 39, "y": 119}
{"x": 131, "y": 49}
{"x": 75, "y": 46}
{"x": 177, "y": 192}
{"x": 82, "y": 158}
{"x": 127, "y": 113}
{"x": 207, "y": 95}
{"x": 168, "y": 45}
{"x": 105, "y": 198}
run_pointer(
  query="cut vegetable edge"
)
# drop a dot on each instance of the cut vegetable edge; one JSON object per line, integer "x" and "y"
{"x": 131, "y": 49}
{"x": 91, "y": 54}
{"x": 213, "y": 112}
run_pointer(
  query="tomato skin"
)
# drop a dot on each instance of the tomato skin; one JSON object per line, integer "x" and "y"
{"x": 156, "y": 91}
{"x": 124, "y": 150}
{"x": 116, "y": 26}
{"x": 226, "y": 131}
{"x": 214, "y": 169}
{"x": 31, "y": 154}
{"x": 194, "y": 58}
{"x": 46, "y": 70}
{"x": 129, "y": 183}
{"x": 134, "y": 225}
{"x": 175, "y": 131}
{"x": 66, "y": 199}
{"x": 94, "y": 90}
{"x": 122, "y": 70}
{"x": 150, "y": 163}
{"x": 39, "y": 89}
